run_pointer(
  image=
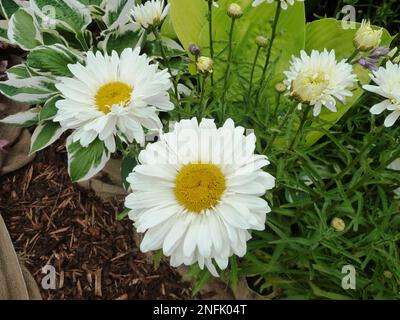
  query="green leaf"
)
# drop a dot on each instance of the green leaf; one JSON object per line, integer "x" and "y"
{"x": 23, "y": 30}
{"x": 68, "y": 14}
{"x": 44, "y": 135}
{"x": 49, "y": 109}
{"x": 23, "y": 119}
{"x": 91, "y": 2}
{"x": 3, "y": 31}
{"x": 329, "y": 34}
{"x": 52, "y": 59}
{"x": 128, "y": 163}
{"x": 117, "y": 13}
{"x": 121, "y": 39}
{"x": 30, "y": 90}
{"x": 121, "y": 216}
{"x": 85, "y": 162}
{"x": 190, "y": 23}
{"x": 9, "y": 7}
{"x": 19, "y": 71}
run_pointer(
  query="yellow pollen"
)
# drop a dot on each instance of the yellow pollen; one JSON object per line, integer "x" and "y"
{"x": 199, "y": 186}
{"x": 113, "y": 93}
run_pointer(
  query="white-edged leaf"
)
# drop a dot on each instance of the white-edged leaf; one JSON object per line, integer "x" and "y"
{"x": 120, "y": 39}
{"x": 22, "y": 119}
{"x": 49, "y": 109}
{"x": 52, "y": 59}
{"x": 3, "y": 31}
{"x": 44, "y": 135}
{"x": 30, "y": 90}
{"x": 117, "y": 13}
{"x": 19, "y": 71}
{"x": 9, "y": 7}
{"x": 68, "y": 14}
{"x": 84, "y": 163}
{"x": 23, "y": 30}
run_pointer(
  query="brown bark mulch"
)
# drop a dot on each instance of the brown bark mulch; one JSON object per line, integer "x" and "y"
{"x": 52, "y": 221}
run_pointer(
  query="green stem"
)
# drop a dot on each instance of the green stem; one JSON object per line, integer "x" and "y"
{"x": 280, "y": 127}
{"x": 268, "y": 57}
{"x": 301, "y": 127}
{"x": 210, "y": 31}
{"x": 252, "y": 71}
{"x": 353, "y": 55}
{"x": 228, "y": 69}
{"x": 164, "y": 56}
{"x": 278, "y": 102}
{"x": 201, "y": 107}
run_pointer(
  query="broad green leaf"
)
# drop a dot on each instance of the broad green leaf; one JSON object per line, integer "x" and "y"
{"x": 9, "y": 7}
{"x": 121, "y": 39}
{"x": 23, "y": 119}
{"x": 69, "y": 14}
{"x": 329, "y": 34}
{"x": 117, "y": 13}
{"x": 23, "y": 30}
{"x": 49, "y": 109}
{"x": 85, "y": 162}
{"x": 44, "y": 135}
{"x": 191, "y": 26}
{"x": 19, "y": 71}
{"x": 30, "y": 90}
{"x": 52, "y": 59}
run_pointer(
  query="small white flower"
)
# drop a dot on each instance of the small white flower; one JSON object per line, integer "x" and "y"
{"x": 197, "y": 192}
{"x": 366, "y": 38}
{"x": 113, "y": 96}
{"x": 388, "y": 84}
{"x": 284, "y": 3}
{"x": 150, "y": 14}
{"x": 318, "y": 79}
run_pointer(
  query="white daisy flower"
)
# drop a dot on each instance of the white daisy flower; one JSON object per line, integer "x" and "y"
{"x": 112, "y": 96}
{"x": 318, "y": 79}
{"x": 150, "y": 14}
{"x": 197, "y": 192}
{"x": 284, "y": 3}
{"x": 388, "y": 84}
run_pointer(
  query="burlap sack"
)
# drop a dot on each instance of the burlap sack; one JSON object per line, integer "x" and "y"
{"x": 16, "y": 283}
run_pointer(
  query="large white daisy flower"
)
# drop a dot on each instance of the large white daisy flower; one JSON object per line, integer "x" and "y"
{"x": 284, "y": 3}
{"x": 388, "y": 86}
{"x": 198, "y": 191}
{"x": 112, "y": 96}
{"x": 150, "y": 14}
{"x": 318, "y": 79}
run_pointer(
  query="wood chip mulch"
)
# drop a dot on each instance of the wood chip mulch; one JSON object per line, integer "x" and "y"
{"x": 52, "y": 221}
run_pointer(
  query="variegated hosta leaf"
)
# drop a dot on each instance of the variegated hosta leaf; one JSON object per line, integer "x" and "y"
{"x": 44, "y": 135}
{"x": 84, "y": 163}
{"x": 68, "y": 14}
{"x": 19, "y": 71}
{"x": 117, "y": 13}
{"x": 23, "y": 30}
{"x": 122, "y": 38}
{"x": 30, "y": 90}
{"x": 49, "y": 109}
{"x": 9, "y": 7}
{"x": 52, "y": 59}
{"x": 3, "y": 31}
{"x": 92, "y": 2}
{"x": 22, "y": 119}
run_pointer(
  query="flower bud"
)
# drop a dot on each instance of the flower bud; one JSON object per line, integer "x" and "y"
{"x": 280, "y": 87}
{"x": 235, "y": 11}
{"x": 205, "y": 65}
{"x": 367, "y": 38}
{"x": 194, "y": 49}
{"x": 262, "y": 41}
{"x": 338, "y": 224}
{"x": 387, "y": 274}
{"x": 379, "y": 52}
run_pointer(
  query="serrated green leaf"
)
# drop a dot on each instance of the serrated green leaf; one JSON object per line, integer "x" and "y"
{"x": 44, "y": 135}
{"x": 85, "y": 162}
{"x": 49, "y": 109}
{"x": 52, "y": 59}
{"x": 23, "y": 30}
{"x": 329, "y": 34}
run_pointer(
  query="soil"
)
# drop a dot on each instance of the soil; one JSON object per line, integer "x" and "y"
{"x": 53, "y": 221}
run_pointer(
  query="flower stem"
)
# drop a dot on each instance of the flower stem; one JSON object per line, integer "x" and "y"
{"x": 210, "y": 31}
{"x": 252, "y": 71}
{"x": 165, "y": 58}
{"x": 353, "y": 55}
{"x": 201, "y": 104}
{"x": 269, "y": 50}
{"x": 281, "y": 125}
{"x": 301, "y": 127}
{"x": 228, "y": 69}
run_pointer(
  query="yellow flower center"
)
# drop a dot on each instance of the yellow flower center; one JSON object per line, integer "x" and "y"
{"x": 113, "y": 93}
{"x": 310, "y": 86}
{"x": 199, "y": 186}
